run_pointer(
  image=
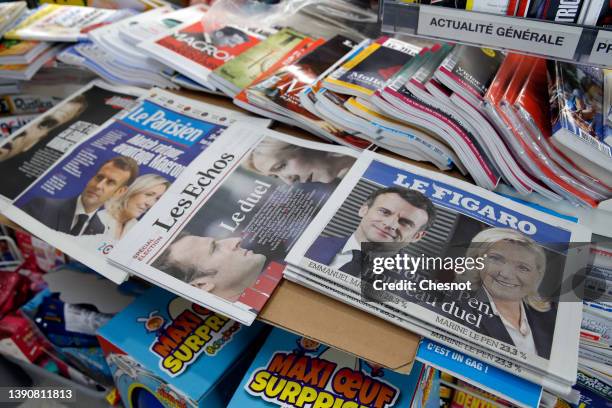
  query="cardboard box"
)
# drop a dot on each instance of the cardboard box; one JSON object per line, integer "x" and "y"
{"x": 164, "y": 351}
{"x": 294, "y": 371}
{"x": 329, "y": 321}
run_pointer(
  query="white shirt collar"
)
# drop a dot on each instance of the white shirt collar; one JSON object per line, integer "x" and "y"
{"x": 346, "y": 254}
{"x": 81, "y": 210}
{"x": 78, "y": 211}
{"x": 351, "y": 245}
{"x": 523, "y": 329}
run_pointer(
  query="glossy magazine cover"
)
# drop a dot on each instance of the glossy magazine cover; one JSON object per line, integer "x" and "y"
{"x": 370, "y": 69}
{"x": 471, "y": 68}
{"x": 241, "y": 71}
{"x": 283, "y": 87}
{"x": 576, "y": 100}
{"x": 578, "y": 93}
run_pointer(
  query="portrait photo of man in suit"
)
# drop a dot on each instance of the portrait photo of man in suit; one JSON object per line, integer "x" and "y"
{"x": 392, "y": 214}
{"x": 78, "y": 215}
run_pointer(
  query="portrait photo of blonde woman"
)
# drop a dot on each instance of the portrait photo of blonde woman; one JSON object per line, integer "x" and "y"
{"x": 514, "y": 268}
{"x": 123, "y": 212}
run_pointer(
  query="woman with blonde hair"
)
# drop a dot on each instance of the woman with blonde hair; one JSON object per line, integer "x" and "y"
{"x": 296, "y": 164}
{"x": 508, "y": 283}
{"x": 122, "y": 213}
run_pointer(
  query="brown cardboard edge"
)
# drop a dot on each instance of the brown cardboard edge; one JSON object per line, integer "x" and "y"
{"x": 308, "y": 313}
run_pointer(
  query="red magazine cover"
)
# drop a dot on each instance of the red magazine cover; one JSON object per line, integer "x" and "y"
{"x": 212, "y": 49}
{"x": 512, "y": 7}
{"x": 502, "y": 78}
{"x": 493, "y": 97}
{"x": 278, "y": 89}
{"x": 522, "y": 8}
{"x": 519, "y": 77}
{"x": 195, "y": 50}
{"x": 284, "y": 86}
{"x": 532, "y": 103}
{"x": 554, "y": 176}
{"x": 303, "y": 48}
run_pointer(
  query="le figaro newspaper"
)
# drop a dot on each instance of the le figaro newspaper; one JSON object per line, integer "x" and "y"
{"x": 522, "y": 257}
{"x": 220, "y": 234}
{"x": 101, "y": 188}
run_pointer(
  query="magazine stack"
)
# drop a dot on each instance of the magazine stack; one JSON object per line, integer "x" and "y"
{"x": 474, "y": 110}
{"x": 289, "y": 162}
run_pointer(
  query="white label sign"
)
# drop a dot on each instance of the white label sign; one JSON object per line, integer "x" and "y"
{"x": 549, "y": 39}
{"x": 602, "y": 49}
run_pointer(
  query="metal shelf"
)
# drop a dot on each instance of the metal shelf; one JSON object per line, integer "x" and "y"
{"x": 565, "y": 42}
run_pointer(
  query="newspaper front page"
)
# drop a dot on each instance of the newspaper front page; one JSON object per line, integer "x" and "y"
{"x": 504, "y": 301}
{"x": 221, "y": 233}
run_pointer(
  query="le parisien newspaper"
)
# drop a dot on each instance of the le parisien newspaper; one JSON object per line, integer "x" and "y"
{"x": 438, "y": 216}
{"x": 104, "y": 185}
{"x": 221, "y": 233}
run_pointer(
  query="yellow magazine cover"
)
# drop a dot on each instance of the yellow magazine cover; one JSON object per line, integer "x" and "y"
{"x": 350, "y": 65}
{"x": 14, "y": 67}
{"x": 41, "y": 13}
{"x": 354, "y": 103}
{"x": 10, "y": 48}
{"x": 54, "y": 22}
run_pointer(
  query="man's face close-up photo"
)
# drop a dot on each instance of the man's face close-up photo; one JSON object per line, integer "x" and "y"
{"x": 223, "y": 264}
{"x": 390, "y": 218}
{"x": 227, "y": 39}
{"x": 107, "y": 182}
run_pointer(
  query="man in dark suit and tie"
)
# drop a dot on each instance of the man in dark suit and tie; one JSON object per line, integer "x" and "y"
{"x": 392, "y": 214}
{"x": 78, "y": 215}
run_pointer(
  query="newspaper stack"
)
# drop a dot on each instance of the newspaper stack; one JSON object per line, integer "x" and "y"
{"x": 428, "y": 215}
{"x": 596, "y": 329}
{"x": 595, "y": 340}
